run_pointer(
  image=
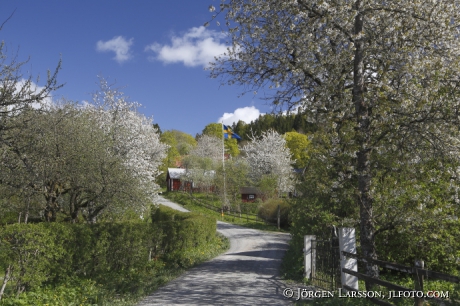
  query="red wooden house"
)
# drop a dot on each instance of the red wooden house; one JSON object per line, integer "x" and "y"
{"x": 173, "y": 178}
{"x": 250, "y": 194}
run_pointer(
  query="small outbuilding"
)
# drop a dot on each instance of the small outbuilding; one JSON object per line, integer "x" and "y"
{"x": 173, "y": 178}
{"x": 250, "y": 194}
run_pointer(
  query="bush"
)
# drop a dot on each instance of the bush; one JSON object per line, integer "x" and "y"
{"x": 269, "y": 211}
{"x": 179, "y": 231}
{"x": 248, "y": 207}
{"x": 51, "y": 253}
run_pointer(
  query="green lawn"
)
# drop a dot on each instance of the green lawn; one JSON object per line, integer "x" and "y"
{"x": 211, "y": 205}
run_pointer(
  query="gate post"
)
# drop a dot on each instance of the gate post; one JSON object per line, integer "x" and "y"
{"x": 307, "y": 255}
{"x": 347, "y": 243}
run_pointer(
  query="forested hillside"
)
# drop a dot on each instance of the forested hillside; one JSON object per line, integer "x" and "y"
{"x": 282, "y": 123}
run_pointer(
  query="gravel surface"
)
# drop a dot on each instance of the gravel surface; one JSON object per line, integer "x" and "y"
{"x": 167, "y": 202}
{"x": 247, "y": 274}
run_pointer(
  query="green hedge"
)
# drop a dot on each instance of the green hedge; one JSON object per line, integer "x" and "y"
{"x": 182, "y": 230}
{"x": 48, "y": 253}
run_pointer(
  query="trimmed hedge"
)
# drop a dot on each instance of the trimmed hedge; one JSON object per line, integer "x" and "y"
{"x": 182, "y": 230}
{"x": 48, "y": 253}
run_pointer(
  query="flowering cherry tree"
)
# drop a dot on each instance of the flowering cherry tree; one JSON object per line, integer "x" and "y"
{"x": 380, "y": 78}
{"x": 268, "y": 157}
{"x": 203, "y": 160}
{"x": 135, "y": 139}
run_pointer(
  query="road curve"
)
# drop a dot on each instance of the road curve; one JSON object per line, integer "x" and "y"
{"x": 247, "y": 274}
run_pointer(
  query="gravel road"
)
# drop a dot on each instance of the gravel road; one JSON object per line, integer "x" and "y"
{"x": 247, "y": 274}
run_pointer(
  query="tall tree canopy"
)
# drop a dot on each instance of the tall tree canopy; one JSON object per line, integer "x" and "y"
{"x": 297, "y": 144}
{"x": 380, "y": 79}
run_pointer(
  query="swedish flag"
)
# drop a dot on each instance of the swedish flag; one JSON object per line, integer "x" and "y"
{"x": 228, "y": 133}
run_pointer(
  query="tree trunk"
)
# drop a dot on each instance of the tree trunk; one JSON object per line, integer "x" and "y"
{"x": 51, "y": 198}
{"x": 6, "y": 278}
{"x": 26, "y": 216}
{"x": 363, "y": 112}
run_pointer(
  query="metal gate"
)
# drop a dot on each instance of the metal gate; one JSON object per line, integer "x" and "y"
{"x": 325, "y": 263}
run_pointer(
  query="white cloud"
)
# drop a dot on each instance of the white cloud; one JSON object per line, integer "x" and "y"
{"x": 35, "y": 89}
{"x": 119, "y": 45}
{"x": 197, "y": 47}
{"x": 24, "y": 89}
{"x": 246, "y": 114}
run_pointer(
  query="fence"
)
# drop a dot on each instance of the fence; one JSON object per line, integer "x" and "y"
{"x": 418, "y": 272}
{"x": 326, "y": 262}
{"x": 350, "y": 275}
{"x": 229, "y": 211}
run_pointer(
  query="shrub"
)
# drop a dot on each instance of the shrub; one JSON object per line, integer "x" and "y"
{"x": 47, "y": 254}
{"x": 269, "y": 211}
{"x": 179, "y": 231}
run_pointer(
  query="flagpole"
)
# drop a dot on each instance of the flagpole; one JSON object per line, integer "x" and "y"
{"x": 223, "y": 167}
{"x": 223, "y": 146}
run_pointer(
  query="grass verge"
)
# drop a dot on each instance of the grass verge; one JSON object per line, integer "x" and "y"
{"x": 195, "y": 203}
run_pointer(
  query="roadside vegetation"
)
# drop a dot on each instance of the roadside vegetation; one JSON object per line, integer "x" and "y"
{"x": 211, "y": 206}
{"x": 108, "y": 263}
{"x": 374, "y": 146}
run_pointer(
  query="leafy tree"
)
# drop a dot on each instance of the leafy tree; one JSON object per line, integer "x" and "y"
{"x": 378, "y": 77}
{"x": 241, "y": 128}
{"x": 298, "y": 144}
{"x": 182, "y": 142}
{"x": 173, "y": 153}
{"x": 236, "y": 176}
{"x": 101, "y": 159}
{"x": 213, "y": 129}
{"x": 179, "y": 145}
{"x": 282, "y": 123}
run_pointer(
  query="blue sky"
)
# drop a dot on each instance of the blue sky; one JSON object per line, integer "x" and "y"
{"x": 154, "y": 50}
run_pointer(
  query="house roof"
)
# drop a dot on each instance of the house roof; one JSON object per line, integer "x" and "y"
{"x": 176, "y": 173}
{"x": 249, "y": 190}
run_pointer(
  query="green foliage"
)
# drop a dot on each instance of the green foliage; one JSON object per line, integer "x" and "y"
{"x": 206, "y": 206}
{"x": 181, "y": 230}
{"x": 8, "y": 217}
{"x": 231, "y": 147}
{"x": 180, "y": 144}
{"x": 215, "y": 130}
{"x": 236, "y": 176}
{"x": 279, "y": 122}
{"x": 298, "y": 146}
{"x": 74, "y": 292}
{"x": 268, "y": 184}
{"x": 269, "y": 211}
{"x": 249, "y": 207}
{"x": 45, "y": 256}
{"x": 36, "y": 253}
{"x": 415, "y": 214}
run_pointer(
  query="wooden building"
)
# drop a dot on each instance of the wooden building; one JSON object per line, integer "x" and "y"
{"x": 173, "y": 178}
{"x": 250, "y": 194}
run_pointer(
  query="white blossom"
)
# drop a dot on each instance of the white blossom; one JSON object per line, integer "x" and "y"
{"x": 269, "y": 155}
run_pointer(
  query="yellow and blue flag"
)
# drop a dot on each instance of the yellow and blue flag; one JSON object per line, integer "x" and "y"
{"x": 228, "y": 133}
